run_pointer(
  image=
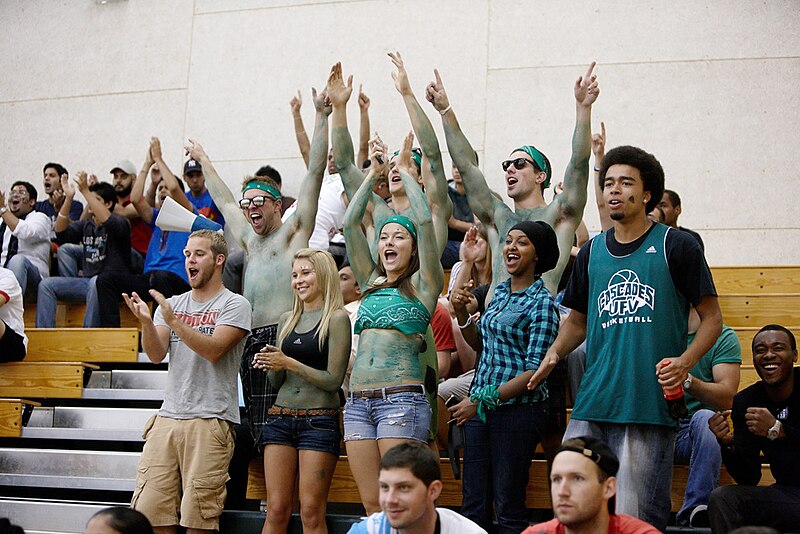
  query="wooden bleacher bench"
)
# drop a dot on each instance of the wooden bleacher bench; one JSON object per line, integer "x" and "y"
{"x": 11, "y": 416}
{"x": 70, "y": 315}
{"x": 82, "y": 344}
{"x": 60, "y": 380}
{"x": 756, "y": 310}
{"x": 756, "y": 280}
{"x": 344, "y": 489}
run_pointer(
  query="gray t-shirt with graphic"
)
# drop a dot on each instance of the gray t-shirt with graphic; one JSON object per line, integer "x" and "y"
{"x": 197, "y": 388}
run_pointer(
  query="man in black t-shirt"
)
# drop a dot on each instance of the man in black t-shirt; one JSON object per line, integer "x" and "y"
{"x": 766, "y": 418}
{"x": 670, "y": 206}
{"x": 106, "y": 240}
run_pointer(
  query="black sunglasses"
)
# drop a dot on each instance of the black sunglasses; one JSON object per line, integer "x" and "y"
{"x": 258, "y": 201}
{"x": 518, "y": 163}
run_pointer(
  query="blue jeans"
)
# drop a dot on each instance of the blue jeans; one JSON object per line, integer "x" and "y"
{"x": 70, "y": 259}
{"x": 645, "y": 455}
{"x": 397, "y": 415}
{"x": 310, "y": 433}
{"x": 26, "y": 273}
{"x": 698, "y": 447}
{"x": 497, "y": 461}
{"x": 56, "y": 288}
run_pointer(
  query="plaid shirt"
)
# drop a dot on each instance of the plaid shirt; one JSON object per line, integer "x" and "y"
{"x": 516, "y": 330}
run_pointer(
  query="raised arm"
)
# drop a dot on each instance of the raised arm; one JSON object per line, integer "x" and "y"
{"x": 363, "y": 127}
{"x": 358, "y": 250}
{"x": 138, "y": 199}
{"x": 435, "y": 181}
{"x": 170, "y": 180}
{"x": 62, "y": 219}
{"x": 299, "y": 129}
{"x": 430, "y": 278}
{"x": 339, "y": 93}
{"x": 573, "y": 200}
{"x": 599, "y": 151}
{"x": 304, "y": 217}
{"x": 99, "y": 209}
{"x": 222, "y": 196}
{"x": 480, "y": 197}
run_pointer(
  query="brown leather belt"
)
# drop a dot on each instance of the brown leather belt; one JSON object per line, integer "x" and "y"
{"x": 301, "y": 412}
{"x": 383, "y": 392}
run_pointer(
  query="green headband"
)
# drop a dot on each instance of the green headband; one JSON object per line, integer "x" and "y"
{"x": 403, "y": 221}
{"x": 538, "y": 157}
{"x": 416, "y": 156}
{"x": 255, "y": 184}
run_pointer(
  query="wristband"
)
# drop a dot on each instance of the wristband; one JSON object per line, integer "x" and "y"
{"x": 445, "y": 110}
{"x": 465, "y": 325}
{"x": 596, "y": 170}
{"x": 62, "y": 215}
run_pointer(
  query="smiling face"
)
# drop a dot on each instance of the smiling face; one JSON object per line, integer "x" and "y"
{"x": 304, "y": 283}
{"x": 521, "y": 183}
{"x": 200, "y": 261}
{"x": 773, "y": 357}
{"x": 264, "y": 219}
{"x": 670, "y": 211}
{"x": 19, "y": 201}
{"x": 405, "y": 499}
{"x": 623, "y": 192}
{"x": 395, "y": 248}
{"x": 519, "y": 254}
{"x": 579, "y": 497}
{"x": 348, "y": 285}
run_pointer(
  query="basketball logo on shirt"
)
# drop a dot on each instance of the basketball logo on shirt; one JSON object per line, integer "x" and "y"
{"x": 624, "y": 296}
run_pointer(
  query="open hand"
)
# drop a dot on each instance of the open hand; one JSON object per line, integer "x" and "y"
{"x": 166, "y": 308}
{"x": 404, "y": 159}
{"x": 545, "y": 368}
{"x": 338, "y": 92}
{"x": 155, "y": 148}
{"x": 82, "y": 181}
{"x": 66, "y": 186}
{"x": 400, "y": 77}
{"x": 137, "y": 306}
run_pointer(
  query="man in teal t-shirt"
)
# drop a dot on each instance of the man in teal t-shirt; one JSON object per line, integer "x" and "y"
{"x": 630, "y": 292}
{"x": 709, "y": 388}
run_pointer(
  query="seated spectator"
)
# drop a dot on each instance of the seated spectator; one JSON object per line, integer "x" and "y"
{"x": 164, "y": 268}
{"x": 709, "y": 388}
{"x": 13, "y": 341}
{"x": 766, "y": 419}
{"x": 671, "y": 209}
{"x": 199, "y": 195}
{"x": 124, "y": 175}
{"x": 118, "y": 520}
{"x": 583, "y": 486}
{"x": 24, "y": 238}
{"x": 460, "y": 221}
{"x": 51, "y": 205}
{"x": 410, "y": 481}
{"x": 106, "y": 240}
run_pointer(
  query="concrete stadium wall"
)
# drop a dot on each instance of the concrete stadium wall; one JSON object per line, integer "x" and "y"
{"x": 711, "y": 88}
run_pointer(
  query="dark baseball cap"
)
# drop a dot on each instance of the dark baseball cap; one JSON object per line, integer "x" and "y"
{"x": 192, "y": 165}
{"x": 596, "y": 450}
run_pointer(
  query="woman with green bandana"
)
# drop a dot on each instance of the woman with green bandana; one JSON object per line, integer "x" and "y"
{"x": 301, "y": 431}
{"x": 503, "y": 420}
{"x": 387, "y": 404}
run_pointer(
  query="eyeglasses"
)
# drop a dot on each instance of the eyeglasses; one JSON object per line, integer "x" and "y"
{"x": 257, "y": 202}
{"x": 518, "y": 163}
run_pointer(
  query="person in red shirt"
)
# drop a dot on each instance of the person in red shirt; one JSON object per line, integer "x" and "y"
{"x": 583, "y": 488}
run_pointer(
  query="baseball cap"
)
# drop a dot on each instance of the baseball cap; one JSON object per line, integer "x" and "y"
{"x": 192, "y": 165}
{"x": 125, "y": 166}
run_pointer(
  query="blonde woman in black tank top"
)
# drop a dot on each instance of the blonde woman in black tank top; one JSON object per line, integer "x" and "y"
{"x": 302, "y": 429}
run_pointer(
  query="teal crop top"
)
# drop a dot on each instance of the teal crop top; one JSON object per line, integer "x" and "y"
{"x": 387, "y": 308}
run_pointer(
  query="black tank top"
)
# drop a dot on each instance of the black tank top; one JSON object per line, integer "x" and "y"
{"x": 305, "y": 349}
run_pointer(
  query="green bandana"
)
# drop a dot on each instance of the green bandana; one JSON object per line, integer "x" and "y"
{"x": 488, "y": 398}
{"x": 255, "y": 184}
{"x": 538, "y": 157}
{"x": 416, "y": 155}
{"x": 403, "y": 221}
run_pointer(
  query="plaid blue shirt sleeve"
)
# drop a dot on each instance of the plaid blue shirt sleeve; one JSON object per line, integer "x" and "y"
{"x": 543, "y": 331}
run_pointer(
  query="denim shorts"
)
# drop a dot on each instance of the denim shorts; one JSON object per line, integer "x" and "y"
{"x": 312, "y": 433}
{"x": 398, "y": 415}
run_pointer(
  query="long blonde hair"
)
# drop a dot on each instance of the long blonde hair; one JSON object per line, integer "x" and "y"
{"x": 328, "y": 281}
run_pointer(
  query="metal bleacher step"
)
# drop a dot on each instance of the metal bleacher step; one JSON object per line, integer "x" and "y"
{"x": 91, "y": 470}
{"x": 80, "y": 423}
{"x": 37, "y": 516}
{"x": 126, "y": 385}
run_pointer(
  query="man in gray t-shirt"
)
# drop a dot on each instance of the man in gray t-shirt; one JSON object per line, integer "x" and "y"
{"x": 188, "y": 445}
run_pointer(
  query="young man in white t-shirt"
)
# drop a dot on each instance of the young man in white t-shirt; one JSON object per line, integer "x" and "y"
{"x": 188, "y": 444}
{"x": 410, "y": 481}
{"x": 13, "y": 341}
